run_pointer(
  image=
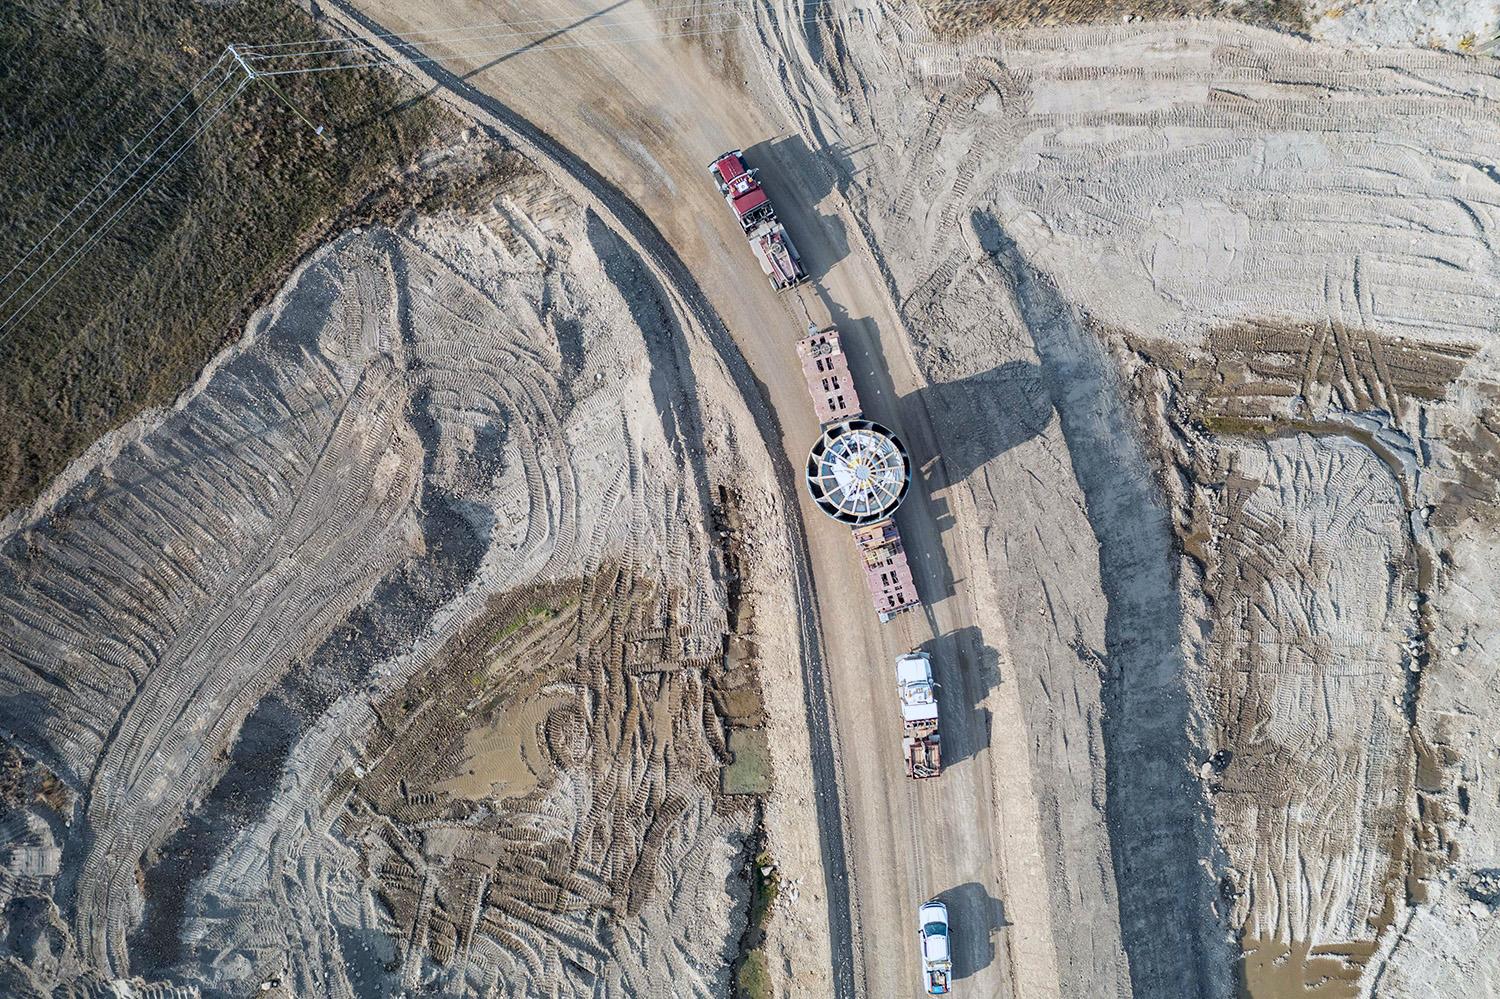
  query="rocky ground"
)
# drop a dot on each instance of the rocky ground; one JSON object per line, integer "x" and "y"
{"x": 1235, "y": 307}
{"x": 1458, "y": 25}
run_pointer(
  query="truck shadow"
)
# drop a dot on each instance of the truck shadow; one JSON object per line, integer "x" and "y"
{"x": 879, "y": 401}
{"x": 798, "y": 180}
{"x": 966, "y": 670}
{"x": 974, "y": 917}
{"x": 981, "y": 416}
{"x": 972, "y": 420}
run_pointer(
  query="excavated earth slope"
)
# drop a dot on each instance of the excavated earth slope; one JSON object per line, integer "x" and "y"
{"x": 1212, "y": 313}
{"x": 393, "y": 656}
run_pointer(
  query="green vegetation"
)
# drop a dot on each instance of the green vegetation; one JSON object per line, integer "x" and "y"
{"x": 765, "y": 888}
{"x": 1239, "y": 426}
{"x": 750, "y": 771}
{"x": 173, "y": 281}
{"x": 535, "y": 614}
{"x": 1249, "y": 426}
{"x": 753, "y": 978}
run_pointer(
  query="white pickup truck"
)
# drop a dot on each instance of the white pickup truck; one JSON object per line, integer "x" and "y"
{"x": 937, "y": 956}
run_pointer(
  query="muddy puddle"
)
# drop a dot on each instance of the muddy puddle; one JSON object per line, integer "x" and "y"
{"x": 1272, "y": 969}
{"x": 504, "y": 759}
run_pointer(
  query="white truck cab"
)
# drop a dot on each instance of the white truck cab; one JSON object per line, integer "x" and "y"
{"x": 920, "y": 742}
{"x": 937, "y": 959}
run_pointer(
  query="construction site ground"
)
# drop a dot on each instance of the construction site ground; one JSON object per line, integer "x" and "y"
{"x": 1188, "y": 329}
{"x": 636, "y": 111}
{"x": 1072, "y": 828}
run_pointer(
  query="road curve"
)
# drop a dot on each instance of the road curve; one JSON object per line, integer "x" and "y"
{"x": 613, "y": 204}
{"x": 650, "y": 116}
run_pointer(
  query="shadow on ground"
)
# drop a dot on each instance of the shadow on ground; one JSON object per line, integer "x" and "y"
{"x": 819, "y": 236}
{"x": 982, "y": 416}
{"x": 966, "y": 670}
{"x": 974, "y": 917}
{"x": 1159, "y": 834}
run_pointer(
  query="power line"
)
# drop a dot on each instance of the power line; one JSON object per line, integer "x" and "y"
{"x": 101, "y": 181}
{"x": 104, "y": 202}
{"x": 419, "y": 60}
{"x": 377, "y": 59}
{"x": 24, "y": 309}
{"x": 522, "y": 25}
{"x": 317, "y": 129}
{"x": 363, "y": 48}
{"x": 249, "y": 58}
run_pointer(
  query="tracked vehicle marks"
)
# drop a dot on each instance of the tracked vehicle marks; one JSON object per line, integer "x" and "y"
{"x": 1466, "y": 497}
{"x": 951, "y": 112}
{"x": 627, "y": 752}
{"x": 1245, "y": 179}
{"x": 255, "y": 531}
{"x": 416, "y": 387}
{"x": 1310, "y": 241}
{"x": 1290, "y": 690}
{"x": 1266, "y": 368}
{"x": 1304, "y": 683}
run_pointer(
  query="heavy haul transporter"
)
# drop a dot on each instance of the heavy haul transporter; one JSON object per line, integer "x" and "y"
{"x": 757, "y": 217}
{"x": 920, "y": 743}
{"x": 857, "y": 472}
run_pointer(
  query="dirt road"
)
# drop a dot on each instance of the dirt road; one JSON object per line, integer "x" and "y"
{"x": 647, "y": 118}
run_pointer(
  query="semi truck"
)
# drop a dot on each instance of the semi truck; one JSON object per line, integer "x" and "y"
{"x": 831, "y": 385}
{"x": 920, "y": 742}
{"x": 757, "y": 218}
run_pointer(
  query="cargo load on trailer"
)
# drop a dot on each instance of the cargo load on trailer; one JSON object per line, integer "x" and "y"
{"x": 858, "y": 472}
{"x": 920, "y": 742}
{"x": 757, "y": 218}
{"x": 826, "y": 369}
{"x": 887, "y": 573}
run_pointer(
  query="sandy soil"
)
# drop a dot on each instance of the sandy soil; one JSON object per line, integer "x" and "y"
{"x": 1148, "y": 188}
{"x": 617, "y": 104}
{"x": 1462, "y": 25}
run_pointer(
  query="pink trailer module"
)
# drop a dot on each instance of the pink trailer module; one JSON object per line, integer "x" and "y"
{"x": 886, "y": 572}
{"x": 826, "y": 369}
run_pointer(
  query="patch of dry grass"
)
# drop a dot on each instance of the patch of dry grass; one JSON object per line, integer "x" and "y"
{"x": 956, "y": 18}
{"x": 172, "y": 282}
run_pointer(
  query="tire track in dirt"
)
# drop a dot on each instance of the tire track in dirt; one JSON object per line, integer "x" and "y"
{"x": 490, "y": 389}
{"x": 613, "y": 204}
{"x": 522, "y": 382}
{"x": 1245, "y": 175}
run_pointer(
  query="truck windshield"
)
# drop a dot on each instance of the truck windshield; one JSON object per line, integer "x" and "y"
{"x": 934, "y": 930}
